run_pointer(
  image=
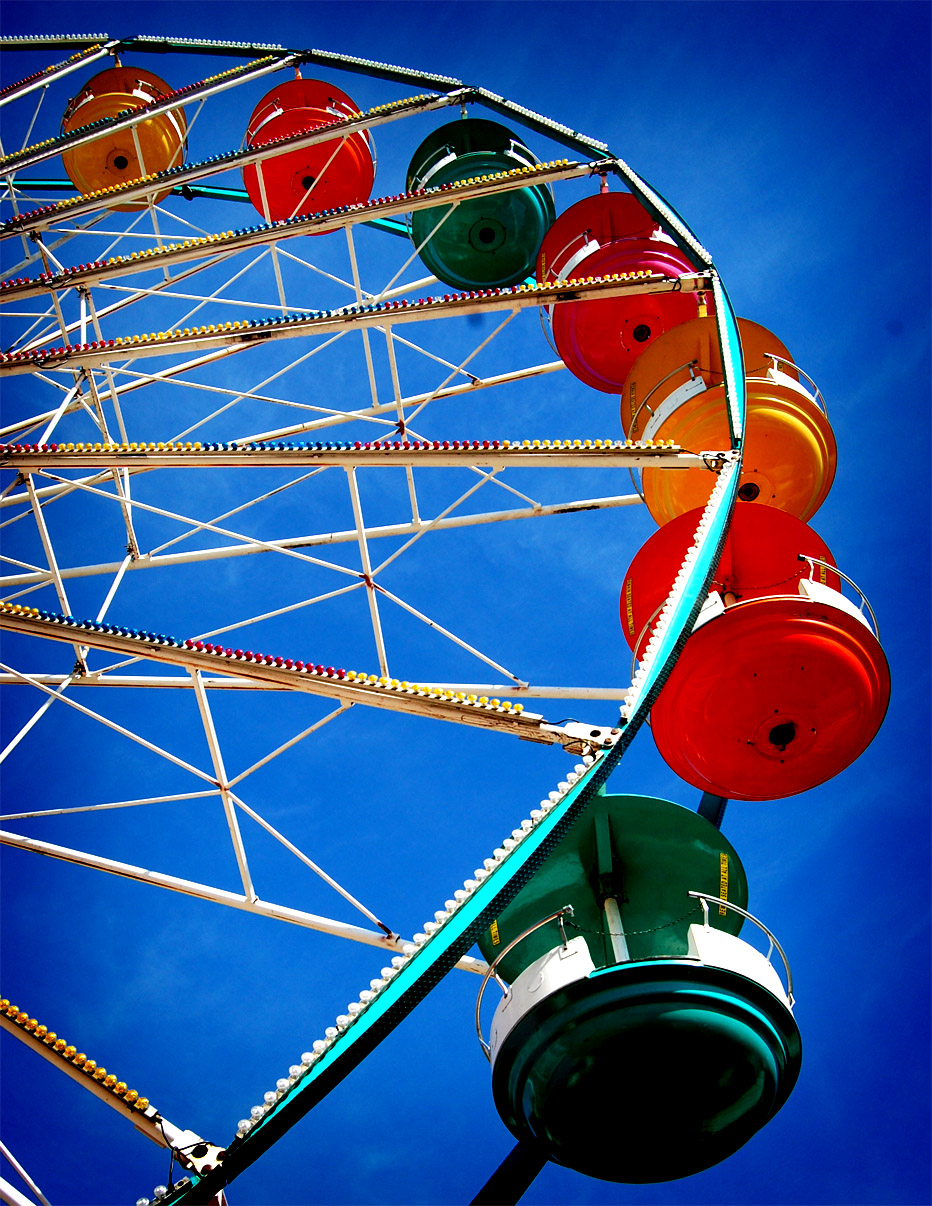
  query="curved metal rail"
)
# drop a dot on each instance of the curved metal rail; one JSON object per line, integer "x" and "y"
{"x": 491, "y": 971}
{"x": 705, "y": 900}
{"x": 814, "y": 561}
{"x": 817, "y": 393}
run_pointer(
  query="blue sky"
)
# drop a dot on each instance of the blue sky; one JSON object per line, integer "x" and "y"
{"x": 794, "y": 139}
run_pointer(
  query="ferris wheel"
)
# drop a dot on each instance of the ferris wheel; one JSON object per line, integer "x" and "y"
{"x": 276, "y": 447}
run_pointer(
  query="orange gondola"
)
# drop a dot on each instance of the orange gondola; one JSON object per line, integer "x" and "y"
{"x": 674, "y": 391}
{"x": 151, "y": 146}
{"x": 599, "y": 341}
{"x": 782, "y": 683}
{"x": 338, "y": 171}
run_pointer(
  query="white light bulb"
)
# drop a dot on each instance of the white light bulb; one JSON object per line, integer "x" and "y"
{"x": 257, "y": 1112}
{"x": 297, "y": 1069}
{"x": 319, "y": 1046}
{"x": 270, "y": 1098}
{"x": 282, "y": 1085}
{"x": 331, "y": 1032}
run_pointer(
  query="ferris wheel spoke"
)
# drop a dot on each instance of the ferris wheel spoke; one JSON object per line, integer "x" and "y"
{"x": 226, "y": 796}
{"x": 371, "y": 595}
{"x": 374, "y": 413}
{"x": 139, "y": 190}
{"x": 346, "y": 686}
{"x": 187, "y": 887}
{"x": 55, "y": 573}
{"x": 130, "y": 119}
{"x": 445, "y": 632}
{"x": 43, "y": 248}
{"x": 343, "y": 318}
{"x": 254, "y": 501}
{"x": 367, "y": 350}
{"x": 290, "y": 545}
{"x": 34, "y": 719}
{"x": 279, "y": 611}
{"x": 287, "y": 745}
{"x": 309, "y": 862}
{"x": 110, "y": 724}
{"x": 271, "y": 546}
{"x": 174, "y": 798}
{"x": 105, "y": 677}
{"x": 77, "y": 62}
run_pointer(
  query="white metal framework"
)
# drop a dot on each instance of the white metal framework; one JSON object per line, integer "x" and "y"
{"x": 219, "y": 439}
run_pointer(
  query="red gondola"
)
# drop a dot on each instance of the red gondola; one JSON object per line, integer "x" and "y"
{"x": 782, "y": 683}
{"x": 760, "y": 558}
{"x": 599, "y": 341}
{"x": 339, "y": 171}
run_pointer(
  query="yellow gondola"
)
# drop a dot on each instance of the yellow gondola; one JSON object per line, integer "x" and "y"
{"x": 128, "y": 154}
